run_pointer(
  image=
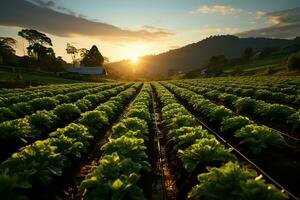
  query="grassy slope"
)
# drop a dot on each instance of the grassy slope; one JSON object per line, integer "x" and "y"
{"x": 274, "y": 62}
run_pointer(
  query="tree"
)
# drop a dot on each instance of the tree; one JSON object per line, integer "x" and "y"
{"x": 293, "y": 62}
{"x": 248, "y": 53}
{"x": 7, "y": 45}
{"x": 93, "y": 58}
{"x": 72, "y": 50}
{"x": 38, "y": 43}
{"x": 215, "y": 65}
{"x": 7, "y": 50}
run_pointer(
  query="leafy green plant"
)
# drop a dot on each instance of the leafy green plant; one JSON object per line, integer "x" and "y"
{"x": 182, "y": 120}
{"x": 129, "y": 124}
{"x": 14, "y": 130}
{"x": 294, "y": 120}
{"x": 219, "y": 113}
{"x": 46, "y": 103}
{"x": 94, "y": 120}
{"x": 21, "y": 109}
{"x": 204, "y": 151}
{"x": 83, "y": 104}
{"x": 235, "y": 123}
{"x": 279, "y": 112}
{"x": 6, "y": 114}
{"x": 41, "y": 121}
{"x": 245, "y": 104}
{"x": 62, "y": 98}
{"x": 127, "y": 147}
{"x": 38, "y": 159}
{"x": 186, "y": 136}
{"x": 231, "y": 181}
{"x": 114, "y": 178}
{"x": 67, "y": 112}
{"x": 139, "y": 113}
{"x": 259, "y": 138}
{"x": 76, "y": 131}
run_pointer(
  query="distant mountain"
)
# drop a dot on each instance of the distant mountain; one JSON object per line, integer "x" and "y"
{"x": 196, "y": 55}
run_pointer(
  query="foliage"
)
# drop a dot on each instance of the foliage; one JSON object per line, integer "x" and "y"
{"x": 14, "y": 130}
{"x": 93, "y": 58}
{"x": 94, "y": 120}
{"x": 204, "y": 151}
{"x": 41, "y": 121}
{"x": 231, "y": 181}
{"x": 235, "y": 123}
{"x": 114, "y": 178}
{"x": 67, "y": 112}
{"x": 259, "y": 138}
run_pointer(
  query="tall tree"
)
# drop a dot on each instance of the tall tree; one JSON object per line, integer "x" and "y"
{"x": 248, "y": 53}
{"x": 38, "y": 43}
{"x": 93, "y": 58}
{"x": 7, "y": 45}
{"x": 73, "y": 51}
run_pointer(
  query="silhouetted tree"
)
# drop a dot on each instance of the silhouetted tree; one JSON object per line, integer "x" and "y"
{"x": 294, "y": 62}
{"x": 72, "y": 50}
{"x": 38, "y": 43}
{"x": 93, "y": 58}
{"x": 248, "y": 53}
{"x": 7, "y": 51}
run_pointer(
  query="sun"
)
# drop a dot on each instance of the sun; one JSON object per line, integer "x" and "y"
{"x": 134, "y": 60}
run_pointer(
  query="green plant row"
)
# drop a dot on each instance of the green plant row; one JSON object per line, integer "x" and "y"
{"x": 37, "y": 164}
{"x": 274, "y": 112}
{"x": 13, "y": 98}
{"x": 38, "y": 125}
{"x": 6, "y": 92}
{"x": 253, "y": 92}
{"x": 287, "y": 85}
{"x": 196, "y": 147}
{"x": 22, "y": 109}
{"x": 124, "y": 156}
{"x": 257, "y": 138}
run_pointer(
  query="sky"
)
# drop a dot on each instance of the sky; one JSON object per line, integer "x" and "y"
{"x": 127, "y": 29}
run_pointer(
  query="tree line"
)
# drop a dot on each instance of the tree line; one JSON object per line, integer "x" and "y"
{"x": 41, "y": 56}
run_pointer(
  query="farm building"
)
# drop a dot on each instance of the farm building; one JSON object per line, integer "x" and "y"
{"x": 94, "y": 73}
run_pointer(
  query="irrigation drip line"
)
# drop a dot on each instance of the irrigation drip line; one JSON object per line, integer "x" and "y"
{"x": 157, "y": 131}
{"x": 248, "y": 160}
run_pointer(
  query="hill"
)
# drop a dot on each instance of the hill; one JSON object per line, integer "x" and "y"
{"x": 196, "y": 55}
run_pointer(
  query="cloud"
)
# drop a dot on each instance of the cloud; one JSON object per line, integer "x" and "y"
{"x": 25, "y": 14}
{"x": 284, "y": 24}
{"x": 217, "y": 9}
{"x": 259, "y": 14}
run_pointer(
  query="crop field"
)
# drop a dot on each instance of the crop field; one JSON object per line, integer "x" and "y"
{"x": 209, "y": 139}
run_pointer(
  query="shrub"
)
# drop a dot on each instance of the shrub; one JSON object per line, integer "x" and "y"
{"x": 294, "y": 120}
{"x": 293, "y": 62}
{"x": 219, "y": 113}
{"x": 46, "y": 103}
{"x": 62, "y": 98}
{"x": 130, "y": 124}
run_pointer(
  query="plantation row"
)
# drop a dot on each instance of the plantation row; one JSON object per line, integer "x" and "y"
{"x": 226, "y": 178}
{"x": 288, "y": 116}
{"x": 36, "y": 165}
{"x": 254, "y": 92}
{"x": 16, "y": 133}
{"x": 105, "y": 141}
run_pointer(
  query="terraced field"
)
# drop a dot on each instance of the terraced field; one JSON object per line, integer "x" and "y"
{"x": 208, "y": 139}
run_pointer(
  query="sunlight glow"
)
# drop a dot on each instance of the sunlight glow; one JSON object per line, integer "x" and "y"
{"x": 134, "y": 60}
